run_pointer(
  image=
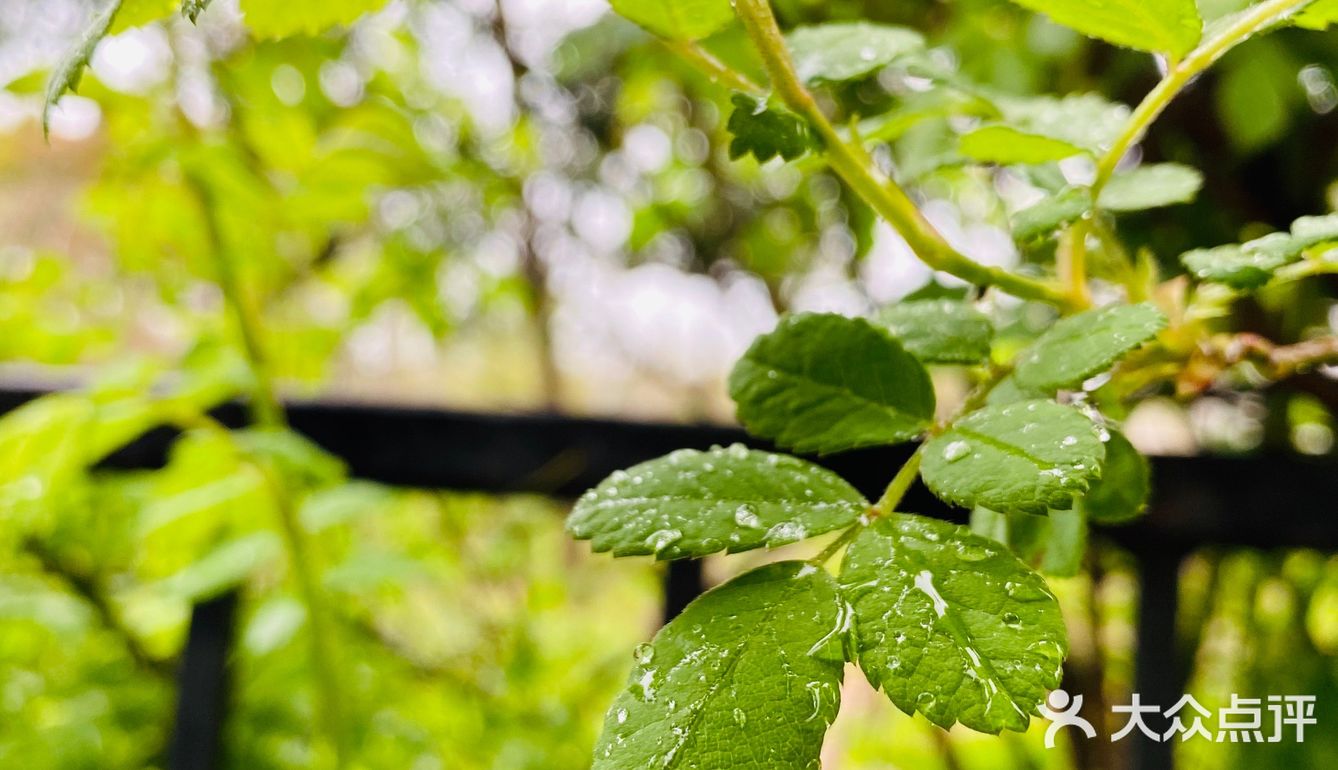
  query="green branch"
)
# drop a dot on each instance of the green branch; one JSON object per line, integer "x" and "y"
{"x": 1247, "y": 24}
{"x": 884, "y": 195}
{"x": 268, "y": 412}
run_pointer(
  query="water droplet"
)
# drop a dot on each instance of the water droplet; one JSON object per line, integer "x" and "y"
{"x": 956, "y": 450}
{"x": 1069, "y": 441}
{"x": 1011, "y": 620}
{"x": 786, "y": 532}
{"x": 972, "y": 552}
{"x": 740, "y": 718}
{"x": 643, "y": 654}
{"x": 1025, "y": 592}
{"x": 661, "y": 539}
{"x": 746, "y": 516}
{"x": 621, "y": 715}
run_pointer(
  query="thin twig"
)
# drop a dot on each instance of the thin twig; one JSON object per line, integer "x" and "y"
{"x": 883, "y": 194}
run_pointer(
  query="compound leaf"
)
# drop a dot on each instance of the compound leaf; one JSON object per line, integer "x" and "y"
{"x": 837, "y": 52}
{"x": 951, "y": 624}
{"x": 940, "y": 331}
{"x": 1160, "y": 26}
{"x": 765, "y": 131}
{"x": 826, "y": 383}
{"x": 747, "y": 677}
{"x": 1080, "y": 346}
{"x": 693, "y": 503}
{"x": 1025, "y": 457}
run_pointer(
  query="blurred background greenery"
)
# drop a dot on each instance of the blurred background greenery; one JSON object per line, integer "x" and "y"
{"x": 525, "y": 205}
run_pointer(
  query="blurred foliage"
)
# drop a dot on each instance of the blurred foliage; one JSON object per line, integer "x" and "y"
{"x": 356, "y": 183}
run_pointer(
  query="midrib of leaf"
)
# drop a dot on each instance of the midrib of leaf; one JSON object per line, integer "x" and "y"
{"x": 1006, "y": 448}
{"x": 618, "y": 501}
{"x": 882, "y": 406}
{"x": 689, "y": 732}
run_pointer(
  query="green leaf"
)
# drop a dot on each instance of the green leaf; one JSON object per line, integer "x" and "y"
{"x": 225, "y": 567}
{"x": 137, "y": 13}
{"x": 952, "y": 625}
{"x": 1121, "y": 494}
{"x": 1146, "y": 187}
{"x": 765, "y": 131}
{"x": 1065, "y": 542}
{"x": 1160, "y": 26}
{"x": 1237, "y": 266}
{"x": 1318, "y": 15}
{"x": 1043, "y": 218}
{"x": 837, "y": 52}
{"x": 825, "y": 383}
{"x": 1026, "y": 457}
{"x": 65, "y": 77}
{"x": 268, "y": 19}
{"x": 940, "y": 331}
{"x": 691, "y": 504}
{"x": 1006, "y": 145}
{"x": 1040, "y": 129}
{"x": 296, "y": 457}
{"x": 1252, "y": 264}
{"x": 1089, "y": 343}
{"x": 748, "y": 677}
{"x": 1150, "y": 187}
{"x": 677, "y": 19}
{"x": 1055, "y": 544}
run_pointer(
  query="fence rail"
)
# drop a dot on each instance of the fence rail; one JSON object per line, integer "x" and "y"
{"x": 1198, "y": 502}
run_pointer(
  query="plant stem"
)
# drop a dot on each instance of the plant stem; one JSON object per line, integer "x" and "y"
{"x": 886, "y": 506}
{"x": 883, "y": 194}
{"x": 267, "y": 412}
{"x": 1258, "y": 18}
{"x": 900, "y": 485}
{"x": 1072, "y": 263}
